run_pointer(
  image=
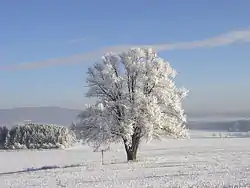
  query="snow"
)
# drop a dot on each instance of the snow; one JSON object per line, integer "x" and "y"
{"x": 198, "y": 162}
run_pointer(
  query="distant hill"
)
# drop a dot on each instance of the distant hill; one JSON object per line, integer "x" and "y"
{"x": 65, "y": 116}
{"x": 55, "y": 115}
{"x": 230, "y": 125}
{"x": 218, "y": 115}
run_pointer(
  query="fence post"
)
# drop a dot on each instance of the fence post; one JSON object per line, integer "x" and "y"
{"x": 102, "y": 156}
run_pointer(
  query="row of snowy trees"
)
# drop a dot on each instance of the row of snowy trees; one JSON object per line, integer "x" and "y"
{"x": 136, "y": 97}
{"x": 37, "y": 136}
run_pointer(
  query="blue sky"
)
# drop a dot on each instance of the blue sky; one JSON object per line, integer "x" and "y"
{"x": 39, "y": 41}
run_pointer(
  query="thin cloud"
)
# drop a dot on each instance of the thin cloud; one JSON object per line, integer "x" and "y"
{"x": 73, "y": 59}
{"x": 238, "y": 36}
{"x": 77, "y": 40}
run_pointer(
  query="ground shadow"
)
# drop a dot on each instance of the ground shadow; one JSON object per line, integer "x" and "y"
{"x": 41, "y": 169}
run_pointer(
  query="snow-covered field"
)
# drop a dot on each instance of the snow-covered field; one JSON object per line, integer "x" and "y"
{"x": 202, "y": 161}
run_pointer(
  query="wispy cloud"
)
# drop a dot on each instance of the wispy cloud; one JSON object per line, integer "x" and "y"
{"x": 238, "y": 36}
{"x": 73, "y": 59}
{"x": 76, "y": 40}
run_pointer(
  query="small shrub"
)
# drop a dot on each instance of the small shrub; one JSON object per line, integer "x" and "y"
{"x": 39, "y": 136}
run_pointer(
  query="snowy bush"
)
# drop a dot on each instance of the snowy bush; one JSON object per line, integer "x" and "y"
{"x": 39, "y": 136}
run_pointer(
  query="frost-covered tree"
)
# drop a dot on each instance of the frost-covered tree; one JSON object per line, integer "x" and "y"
{"x": 136, "y": 98}
{"x": 3, "y": 134}
{"x": 36, "y": 136}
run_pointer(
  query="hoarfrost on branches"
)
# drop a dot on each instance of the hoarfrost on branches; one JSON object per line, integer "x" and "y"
{"x": 136, "y": 98}
{"x": 36, "y": 136}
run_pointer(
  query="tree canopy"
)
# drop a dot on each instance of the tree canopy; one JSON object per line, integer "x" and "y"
{"x": 136, "y": 97}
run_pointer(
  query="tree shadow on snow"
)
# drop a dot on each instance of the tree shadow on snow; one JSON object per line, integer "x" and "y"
{"x": 40, "y": 169}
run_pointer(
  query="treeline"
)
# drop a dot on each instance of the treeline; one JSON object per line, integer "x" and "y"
{"x": 36, "y": 136}
{"x": 231, "y": 126}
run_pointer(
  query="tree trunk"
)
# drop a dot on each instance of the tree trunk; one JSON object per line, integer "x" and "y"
{"x": 131, "y": 155}
{"x": 132, "y": 150}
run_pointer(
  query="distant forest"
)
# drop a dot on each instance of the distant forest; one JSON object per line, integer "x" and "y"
{"x": 231, "y": 126}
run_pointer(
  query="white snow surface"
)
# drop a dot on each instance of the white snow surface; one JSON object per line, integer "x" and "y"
{"x": 198, "y": 162}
